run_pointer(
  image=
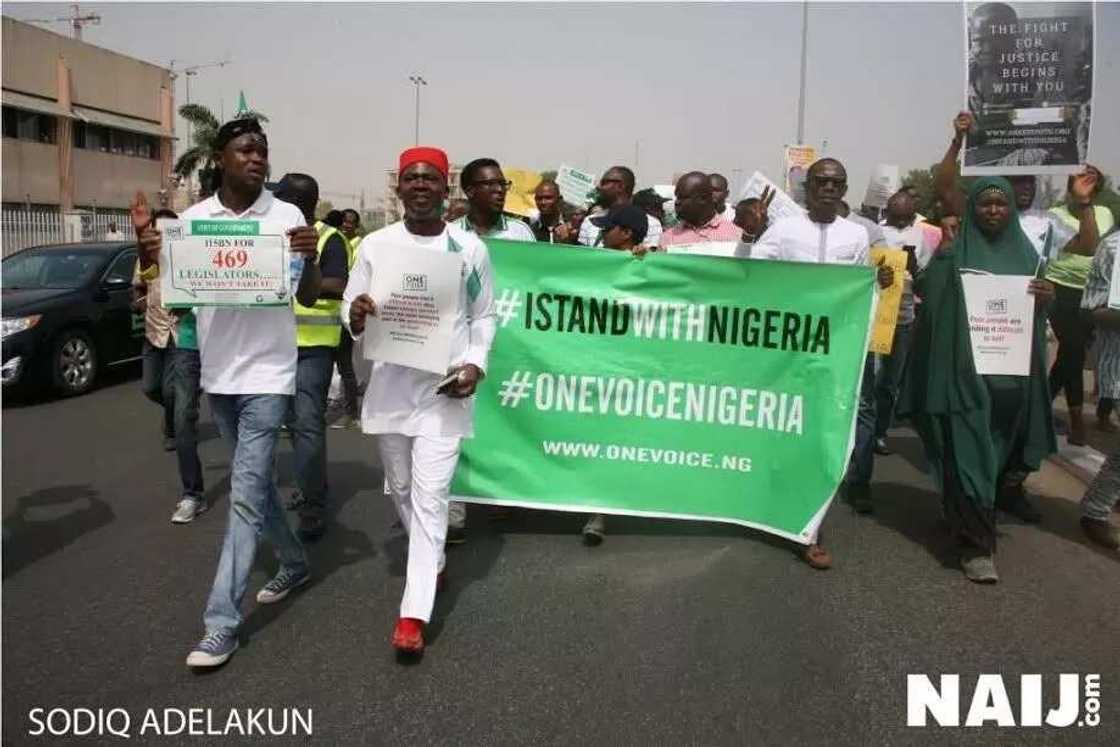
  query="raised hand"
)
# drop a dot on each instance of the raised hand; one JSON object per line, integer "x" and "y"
{"x": 961, "y": 125}
{"x": 1084, "y": 184}
{"x": 140, "y": 212}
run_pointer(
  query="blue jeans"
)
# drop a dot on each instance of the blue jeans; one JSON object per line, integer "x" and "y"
{"x": 307, "y": 421}
{"x": 889, "y": 379}
{"x": 156, "y": 382}
{"x": 863, "y": 455}
{"x": 251, "y": 422}
{"x": 183, "y": 370}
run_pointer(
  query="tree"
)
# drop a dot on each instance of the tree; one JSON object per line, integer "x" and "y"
{"x": 204, "y": 137}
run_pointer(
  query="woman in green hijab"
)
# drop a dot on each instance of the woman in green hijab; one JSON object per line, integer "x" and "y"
{"x": 982, "y": 434}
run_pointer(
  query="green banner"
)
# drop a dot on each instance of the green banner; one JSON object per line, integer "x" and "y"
{"x": 677, "y": 386}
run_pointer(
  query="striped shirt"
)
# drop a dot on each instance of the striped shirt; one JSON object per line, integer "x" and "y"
{"x": 1097, "y": 286}
{"x": 718, "y": 228}
{"x": 507, "y": 228}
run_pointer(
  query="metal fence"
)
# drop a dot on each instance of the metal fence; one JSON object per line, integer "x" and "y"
{"x": 24, "y": 227}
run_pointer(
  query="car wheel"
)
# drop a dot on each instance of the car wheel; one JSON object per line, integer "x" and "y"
{"x": 73, "y": 362}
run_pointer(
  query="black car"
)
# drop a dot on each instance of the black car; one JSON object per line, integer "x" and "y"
{"x": 67, "y": 314}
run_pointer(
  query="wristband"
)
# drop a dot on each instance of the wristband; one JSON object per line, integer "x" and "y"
{"x": 150, "y": 274}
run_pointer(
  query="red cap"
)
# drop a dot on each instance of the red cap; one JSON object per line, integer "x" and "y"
{"x": 431, "y": 156}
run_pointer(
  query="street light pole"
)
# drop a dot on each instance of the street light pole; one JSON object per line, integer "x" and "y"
{"x": 417, "y": 81}
{"x": 804, "y": 58}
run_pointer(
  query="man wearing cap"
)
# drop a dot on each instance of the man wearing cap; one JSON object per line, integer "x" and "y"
{"x": 700, "y": 223}
{"x": 486, "y": 186}
{"x": 418, "y": 424}
{"x": 623, "y": 228}
{"x": 249, "y": 372}
{"x": 616, "y": 187}
{"x": 318, "y": 334}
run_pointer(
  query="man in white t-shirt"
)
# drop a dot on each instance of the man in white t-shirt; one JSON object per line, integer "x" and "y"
{"x": 418, "y": 423}
{"x": 249, "y": 372}
{"x": 822, "y": 236}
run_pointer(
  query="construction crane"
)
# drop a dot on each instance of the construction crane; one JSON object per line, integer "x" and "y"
{"x": 191, "y": 71}
{"x": 75, "y": 19}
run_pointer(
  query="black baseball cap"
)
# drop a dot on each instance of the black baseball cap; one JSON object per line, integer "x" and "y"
{"x": 625, "y": 216}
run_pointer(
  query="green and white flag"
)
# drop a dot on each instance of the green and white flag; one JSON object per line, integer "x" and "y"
{"x": 701, "y": 388}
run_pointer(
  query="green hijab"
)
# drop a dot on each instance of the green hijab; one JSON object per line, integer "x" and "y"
{"x": 941, "y": 379}
{"x": 1009, "y": 252}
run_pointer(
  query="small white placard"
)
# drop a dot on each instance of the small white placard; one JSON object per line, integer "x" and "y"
{"x": 1000, "y": 322}
{"x": 417, "y": 296}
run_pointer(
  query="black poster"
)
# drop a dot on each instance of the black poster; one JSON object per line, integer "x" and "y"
{"x": 1029, "y": 87}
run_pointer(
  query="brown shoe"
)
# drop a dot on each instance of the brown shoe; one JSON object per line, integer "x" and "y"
{"x": 817, "y": 557}
{"x": 1101, "y": 532}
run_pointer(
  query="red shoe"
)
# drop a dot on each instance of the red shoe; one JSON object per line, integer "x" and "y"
{"x": 408, "y": 636}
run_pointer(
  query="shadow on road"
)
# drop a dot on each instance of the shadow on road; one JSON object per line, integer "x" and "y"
{"x": 338, "y": 547}
{"x": 25, "y": 395}
{"x": 68, "y": 512}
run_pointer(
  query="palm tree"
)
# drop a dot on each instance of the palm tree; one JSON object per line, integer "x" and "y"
{"x": 200, "y": 155}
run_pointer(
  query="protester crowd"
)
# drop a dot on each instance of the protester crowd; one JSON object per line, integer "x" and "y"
{"x": 268, "y": 370}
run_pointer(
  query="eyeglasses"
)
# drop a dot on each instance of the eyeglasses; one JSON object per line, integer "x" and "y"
{"x": 503, "y": 184}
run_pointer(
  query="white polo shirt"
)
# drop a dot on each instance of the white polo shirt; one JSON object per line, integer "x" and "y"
{"x": 508, "y": 228}
{"x": 252, "y": 350}
{"x": 404, "y": 400}
{"x": 796, "y": 238}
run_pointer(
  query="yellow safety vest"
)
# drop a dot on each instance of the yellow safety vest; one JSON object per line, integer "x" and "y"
{"x": 352, "y": 248}
{"x": 320, "y": 325}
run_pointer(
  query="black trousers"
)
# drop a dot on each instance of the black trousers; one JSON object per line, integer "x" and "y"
{"x": 1072, "y": 330}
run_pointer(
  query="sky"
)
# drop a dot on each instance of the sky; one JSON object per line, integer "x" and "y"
{"x": 662, "y": 87}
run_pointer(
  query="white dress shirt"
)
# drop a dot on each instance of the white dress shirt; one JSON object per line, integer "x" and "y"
{"x": 796, "y": 238}
{"x": 404, "y": 400}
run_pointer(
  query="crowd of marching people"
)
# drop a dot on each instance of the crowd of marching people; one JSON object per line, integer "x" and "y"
{"x": 269, "y": 370}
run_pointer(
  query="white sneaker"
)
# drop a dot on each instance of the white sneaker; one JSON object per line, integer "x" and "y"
{"x": 187, "y": 509}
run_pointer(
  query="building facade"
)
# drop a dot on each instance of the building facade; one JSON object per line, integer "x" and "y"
{"x": 84, "y": 128}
